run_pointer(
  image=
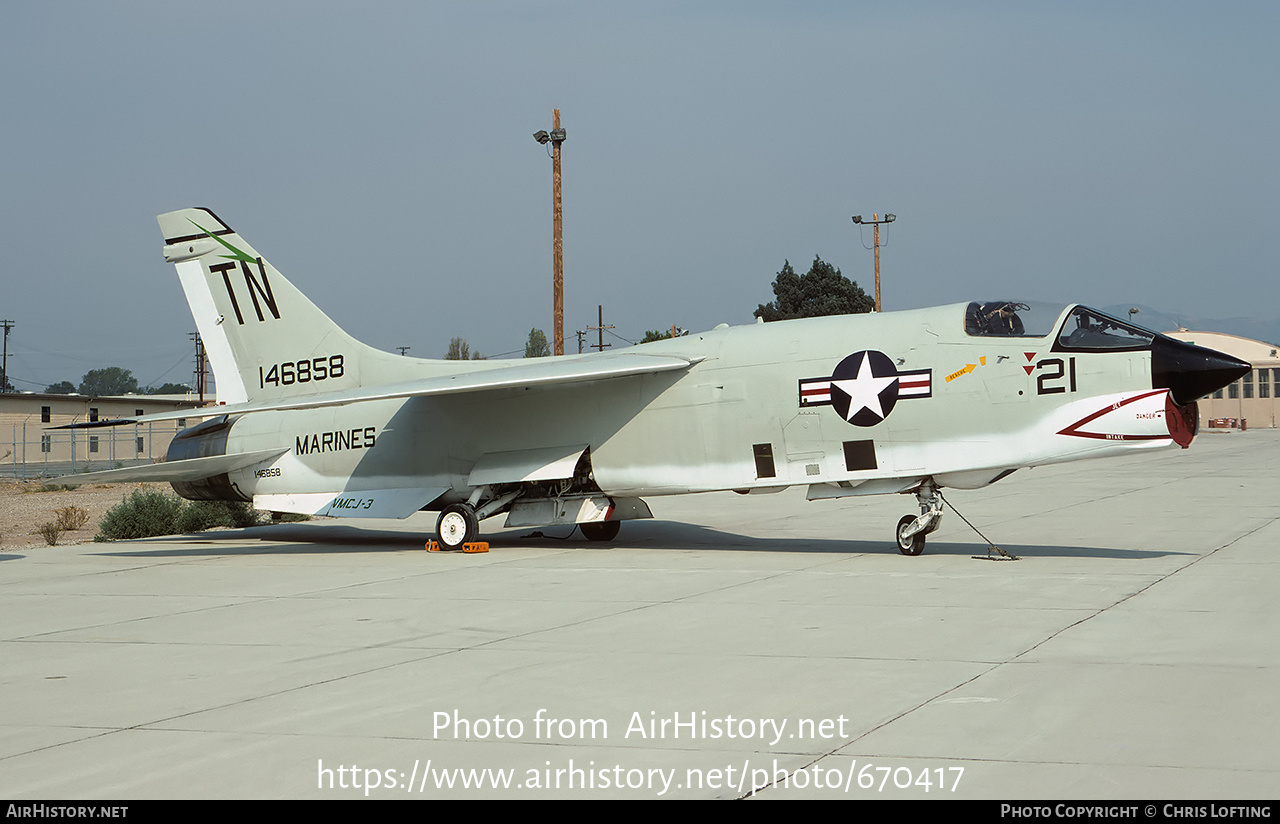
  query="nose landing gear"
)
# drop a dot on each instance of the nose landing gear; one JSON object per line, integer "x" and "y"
{"x": 912, "y": 529}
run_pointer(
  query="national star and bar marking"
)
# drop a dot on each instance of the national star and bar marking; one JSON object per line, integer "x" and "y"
{"x": 865, "y": 387}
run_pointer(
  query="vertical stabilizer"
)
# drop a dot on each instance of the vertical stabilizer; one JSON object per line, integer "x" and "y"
{"x": 264, "y": 338}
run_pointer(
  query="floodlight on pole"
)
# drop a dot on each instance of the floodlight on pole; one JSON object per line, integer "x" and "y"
{"x": 876, "y": 220}
{"x": 555, "y": 137}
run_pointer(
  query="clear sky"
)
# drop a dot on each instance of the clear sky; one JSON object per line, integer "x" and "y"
{"x": 380, "y": 154}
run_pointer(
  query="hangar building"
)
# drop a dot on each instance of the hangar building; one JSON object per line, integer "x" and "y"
{"x": 1254, "y": 400}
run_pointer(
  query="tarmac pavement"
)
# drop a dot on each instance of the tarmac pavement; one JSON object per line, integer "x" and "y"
{"x": 732, "y": 644}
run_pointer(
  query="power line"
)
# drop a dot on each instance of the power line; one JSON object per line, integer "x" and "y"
{"x": 620, "y": 337}
{"x": 166, "y": 372}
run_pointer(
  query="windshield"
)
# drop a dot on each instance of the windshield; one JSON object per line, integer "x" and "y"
{"x": 1011, "y": 319}
{"x": 1090, "y": 329}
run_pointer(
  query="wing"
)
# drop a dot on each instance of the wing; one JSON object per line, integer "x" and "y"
{"x": 545, "y": 372}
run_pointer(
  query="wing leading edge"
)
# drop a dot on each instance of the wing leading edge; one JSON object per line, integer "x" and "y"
{"x": 547, "y": 372}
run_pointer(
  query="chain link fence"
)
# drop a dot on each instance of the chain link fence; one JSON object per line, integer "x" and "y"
{"x": 31, "y": 451}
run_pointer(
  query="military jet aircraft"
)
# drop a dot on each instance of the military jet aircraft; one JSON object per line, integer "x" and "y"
{"x": 313, "y": 421}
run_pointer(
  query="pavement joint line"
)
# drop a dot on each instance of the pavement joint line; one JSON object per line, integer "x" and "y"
{"x": 1014, "y": 659}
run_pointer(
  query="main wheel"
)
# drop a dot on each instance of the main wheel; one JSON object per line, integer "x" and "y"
{"x": 913, "y": 545}
{"x": 600, "y": 530}
{"x": 457, "y": 526}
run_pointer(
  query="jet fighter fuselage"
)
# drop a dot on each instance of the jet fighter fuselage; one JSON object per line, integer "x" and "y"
{"x": 912, "y": 401}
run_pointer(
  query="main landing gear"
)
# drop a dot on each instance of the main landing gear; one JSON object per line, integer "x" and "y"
{"x": 912, "y": 529}
{"x": 457, "y": 525}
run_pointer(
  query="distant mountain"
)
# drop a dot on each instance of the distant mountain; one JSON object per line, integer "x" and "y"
{"x": 1267, "y": 330}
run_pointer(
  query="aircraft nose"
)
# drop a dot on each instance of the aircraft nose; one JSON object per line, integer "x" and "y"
{"x": 1191, "y": 372}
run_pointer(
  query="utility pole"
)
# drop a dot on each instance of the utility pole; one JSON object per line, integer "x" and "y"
{"x": 875, "y": 219}
{"x": 201, "y": 364}
{"x": 555, "y": 138}
{"x": 403, "y": 349}
{"x": 580, "y": 333}
{"x": 4, "y": 365}
{"x": 600, "y": 329}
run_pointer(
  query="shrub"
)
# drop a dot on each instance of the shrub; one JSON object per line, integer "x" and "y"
{"x": 71, "y": 518}
{"x": 147, "y": 514}
{"x": 242, "y": 515}
{"x": 141, "y": 515}
{"x": 198, "y": 516}
{"x": 51, "y": 532}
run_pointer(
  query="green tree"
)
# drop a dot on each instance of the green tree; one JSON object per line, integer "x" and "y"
{"x": 655, "y": 334}
{"x": 459, "y": 349}
{"x": 820, "y": 291}
{"x": 60, "y": 388}
{"x": 110, "y": 381}
{"x": 169, "y": 389}
{"x": 536, "y": 346}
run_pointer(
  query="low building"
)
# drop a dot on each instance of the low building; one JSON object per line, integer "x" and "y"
{"x": 1254, "y": 400}
{"x": 31, "y": 448}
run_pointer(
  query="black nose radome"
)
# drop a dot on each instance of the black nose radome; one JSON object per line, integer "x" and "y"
{"x": 1191, "y": 372}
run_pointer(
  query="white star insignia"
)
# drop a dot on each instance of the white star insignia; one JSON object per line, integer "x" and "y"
{"x": 864, "y": 390}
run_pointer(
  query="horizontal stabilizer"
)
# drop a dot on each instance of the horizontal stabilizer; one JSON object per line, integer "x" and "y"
{"x": 191, "y": 469}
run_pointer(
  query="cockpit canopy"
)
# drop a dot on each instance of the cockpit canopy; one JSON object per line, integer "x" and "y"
{"x": 1011, "y": 319}
{"x": 1088, "y": 329}
{"x": 1084, "y": 329}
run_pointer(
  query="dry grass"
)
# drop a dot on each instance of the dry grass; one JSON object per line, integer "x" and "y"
{"x": 74, "y": 511}
{"x": 71, "y": 518}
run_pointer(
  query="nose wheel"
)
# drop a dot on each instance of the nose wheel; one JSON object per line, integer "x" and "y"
{"x": 911, "y": 529}
{"x": 909, "y": 544}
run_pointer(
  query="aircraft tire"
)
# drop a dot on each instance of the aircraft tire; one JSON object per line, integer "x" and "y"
{"x": 913, "y": 545}
{"x": 456, "y": 526}
{"x": 601, "y": 530}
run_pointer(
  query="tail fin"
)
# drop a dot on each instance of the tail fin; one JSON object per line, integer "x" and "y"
{"x": 264, "y": 338}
